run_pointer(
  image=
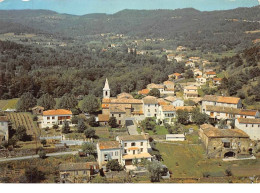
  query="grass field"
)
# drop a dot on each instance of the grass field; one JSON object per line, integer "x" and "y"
{"x": 102, "y": 132}
{"x": 190, "y": 161}
{"x": 8, "y": 104}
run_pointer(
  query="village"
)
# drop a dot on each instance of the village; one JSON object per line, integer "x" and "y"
{"x": 132, "y": 130}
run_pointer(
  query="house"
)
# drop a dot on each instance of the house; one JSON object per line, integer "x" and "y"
{"x": 144, "y": 92}
{"x": 250, "y": 126}
{"x": 175, "y": 137}
{"x": 194, "y": 59}
{"x": 190, "y": 92}
{"x": 170, "y": 57}
{"x": 108, "y": 150}
{"x": 168, "y": 88}
{"x": 4, "y": 130}
{"x": 175, "y": 76}
{"x": 150, "y": 106}
{"x": 210, "y": 75}
{"x": 77, "y": 172}
{"x": 120, "y": 112}
{"x": 55, "y": 117}
{"x": 181, "y": 48}
{"x": 190, "y": 64}
{"x": 160, "y": 87}
{"x": 225, "y": 143}
{"x": 177, "y": 102}
{"x": 201, "y": 80}
{"x": 167, "y": 113}
{"x": 37, "y": 110}
{"x": 222, "y": 101}
{"x": 217, "y": 81}
{"x": 134, "y": 147}
{"x": 179, "y": 58}
{"x": 197, "y": 72}
{"x": 103, "y": 119}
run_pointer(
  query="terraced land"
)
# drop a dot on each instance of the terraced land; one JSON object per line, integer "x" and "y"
{"x": 8, "y": 104}
{"x": 23, "y": 119}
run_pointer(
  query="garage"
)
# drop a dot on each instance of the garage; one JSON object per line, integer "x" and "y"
{"x": 128, "y": 162}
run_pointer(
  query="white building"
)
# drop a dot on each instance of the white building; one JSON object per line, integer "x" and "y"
{"x": 250, "y": 126}
{"x": 4, "y": 132}
{"x": 190, "y": 92}
{"x": 108, "y": 150}
{"x": 177, "y": 102}
{"x": 167, "y": 113}
{"x": 134, "y": 147}
{"x": 190, "y": 64}
{"x": 201, "y": 80}
{"x": 150, "y": 106}
{"x": 55, "y": 117}
{"x": 175, "y": 137}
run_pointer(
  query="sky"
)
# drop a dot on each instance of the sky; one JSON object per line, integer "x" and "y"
{"x": 81, "y": 7}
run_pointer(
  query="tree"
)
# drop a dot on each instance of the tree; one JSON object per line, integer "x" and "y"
{"x": 198, "y": 117}
{"x": 81, "y": 126}
{"x": 113, "y": 165}
{"x": 154, "y": 92}
{"x": 65, "y": 127}
{"x": 92, "y": 121}
{"x": 183, "y": 116}
{"x": 33, "y": 175}
{"x": 89, "y": 133}
{"x": 90, "y": 104}
{"x": 21, "y": 133}
{"x": 68, "y": 101}
{"x": 112, "y": 122}
{"x": 188, "y": 74}
{"x": 88, "y": 148}
{"x": 222, "y": 124}
{"x": 55, "y": 126}
{"x": 155, "y": 168}
{"x": 26, "y": 102}
{"x": 46, "y": 101}
{"x": 148, "y": 124}
{"x": 42, "y": 154}
{"x": 43, "y": 142}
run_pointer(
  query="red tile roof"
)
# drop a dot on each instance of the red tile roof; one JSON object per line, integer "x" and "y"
{"x": 57, "y": 112}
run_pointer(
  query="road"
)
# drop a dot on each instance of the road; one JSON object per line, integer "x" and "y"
{"x": 36, "y": 156}
{"x": 131, "y": 127}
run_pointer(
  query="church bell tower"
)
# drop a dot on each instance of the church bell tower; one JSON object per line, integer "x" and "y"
{"x": 106, "y": 90}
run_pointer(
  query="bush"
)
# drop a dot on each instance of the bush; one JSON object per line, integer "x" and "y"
{"x": 89, "y": 133}
{"x": 114, "y": 165}
{"x": 35, "y": 118}
{"x": 206, "y": 174}
{"x": 42, "y": 154}
{"x": 43, "y": 142}
{"x": 228, "y": 172}
{"x": 55, "y": 126}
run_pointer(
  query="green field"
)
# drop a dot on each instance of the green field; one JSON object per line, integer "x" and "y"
{"x": 8, "y": 104}
{"x": 190, "y": 161}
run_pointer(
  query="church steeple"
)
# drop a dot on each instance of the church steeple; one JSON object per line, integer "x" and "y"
{"x": 106, "y": 90}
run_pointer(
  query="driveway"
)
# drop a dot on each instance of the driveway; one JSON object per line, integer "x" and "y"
{"x": 131, "y": 127}
{"x": 36, "y": 156}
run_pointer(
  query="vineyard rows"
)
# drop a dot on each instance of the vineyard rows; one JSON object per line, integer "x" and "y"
{"x": 23, "y": 119}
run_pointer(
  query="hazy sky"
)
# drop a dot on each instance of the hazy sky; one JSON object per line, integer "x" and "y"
{"x": 80, "y": 7}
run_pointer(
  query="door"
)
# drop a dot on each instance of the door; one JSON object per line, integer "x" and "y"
{"x": 128, "y": 162}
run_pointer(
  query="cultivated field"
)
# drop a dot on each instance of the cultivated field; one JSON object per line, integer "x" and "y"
{"x": 8, "y": 104}
{"x": 23, "y": 119}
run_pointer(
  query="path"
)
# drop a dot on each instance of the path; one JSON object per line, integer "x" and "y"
{"x": 131, "y": 127}
{"x": 36, "y": 156}
{"x": 237, "y": 159}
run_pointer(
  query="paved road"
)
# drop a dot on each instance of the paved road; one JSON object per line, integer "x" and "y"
{"x": 131, "y": 127}
{"x": 36, "y": 156}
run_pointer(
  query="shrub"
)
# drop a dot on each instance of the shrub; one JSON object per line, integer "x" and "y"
{"x": 228, "y": 172}
{"x": 206, "y": 174}
{"x": 114, "y": 165}
{"x": 35, "y": 118}
{"x": 42, "y": 154}
{"x": 55, "y": 126}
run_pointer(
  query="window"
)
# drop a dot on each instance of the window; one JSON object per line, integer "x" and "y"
{"x": 133, "y": 144}
{"x": 252, "y": 125}
{"x": 125, "y": 144}
{"x": 119, "y": 115}
{"x": 141, "y": 149}
{"x": 148, "y": 105}
{"x": 76, "y": 172}
{"x": 119, "y": 122}
{"x": 258, "y": 125}
{"x": 134, "y": 152}
{"x": 48, "y": 118}
{"x": 227, "y": 144}
{"x": 125, "y": 151}
{"x": 53, "y": 117}
{"x": 112, "y": 115}
{"x": 142, "y": 143}
{"x": 111, "y": 153}
{"x": 148, "y": 110}
{"x": 84, "y": 172}
{"x": 246, "y": 125}
{"x": 155, "y": 110}
{"x": 116, "y": 153}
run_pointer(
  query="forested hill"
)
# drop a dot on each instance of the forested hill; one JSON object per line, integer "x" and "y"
{"x": 188, "y": 27}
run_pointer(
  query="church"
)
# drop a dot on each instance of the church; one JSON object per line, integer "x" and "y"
{"x": 122, "y": 107}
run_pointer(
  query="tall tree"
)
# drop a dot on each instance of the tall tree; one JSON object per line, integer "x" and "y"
{"x": 154, "y": 92}
{"x": 65, "y": 127}
{"x": 183, "y": 116}
{"x": 90, "y": 104}
{"x": 26, "y": 102}
{"x": 46, "y": 101}
{"x": 68, "y": 101}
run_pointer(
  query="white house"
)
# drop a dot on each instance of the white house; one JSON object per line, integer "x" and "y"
{"x": 134, "y": 147}
{"x": 250, "y": 126}
{"x": 167, "y": 113}
{"x": 190, "y": 92}
{"x": 222, "y": 101}
{"x": 4, "y": 132}
{"x": 150, "y": 106}
{"x": 108, "y": 150}
{"x": 201, "y": 80}
{"x": 190, "y": 64}
{"x": 55, "y": 117}
{"x": 197, "y": 72}
{"x": 177, "y": 102}
{"x": 175, "y": 137}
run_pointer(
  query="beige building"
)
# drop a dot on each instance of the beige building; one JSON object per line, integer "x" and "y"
{"x": 77, "y": 172}
{"x": 225, "y": 142}
{"x": 190, "y": 92}
{"x": 150, "y": 106}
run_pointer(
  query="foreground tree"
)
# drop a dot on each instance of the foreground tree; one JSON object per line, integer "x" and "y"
{"x": 155, "y": 168}
{"x": 88, "y": 148}
{"x": 26, "y": 102}
{"x": 81, "y": 126}
{"x": 89, "y": 133}
{"x": 198, "y": 117}
{"x": 46, "y": 101}
{"x": 148, "y": 124}
{"x": 20, "y": 133}
{"x": 65, "y": 127}
{"x": 33, "y": 175}
{"x": 183, "y": 116}
{"x": 112, "y": 122}
{"x": 92, "y": 121}
{"x": 113, "y": 165}
{"x": 90, "y": 104}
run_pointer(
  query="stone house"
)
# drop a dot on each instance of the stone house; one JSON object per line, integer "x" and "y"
{"x": 150, "y": 106}
{"x": 103, "y": 119}
{"x": 225, "y": 143}
{"x": 77, "y": 172}
{"x": 190, "y": 92}
{"x": 250, "y": 126}
{"x": 37, "y": 110}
